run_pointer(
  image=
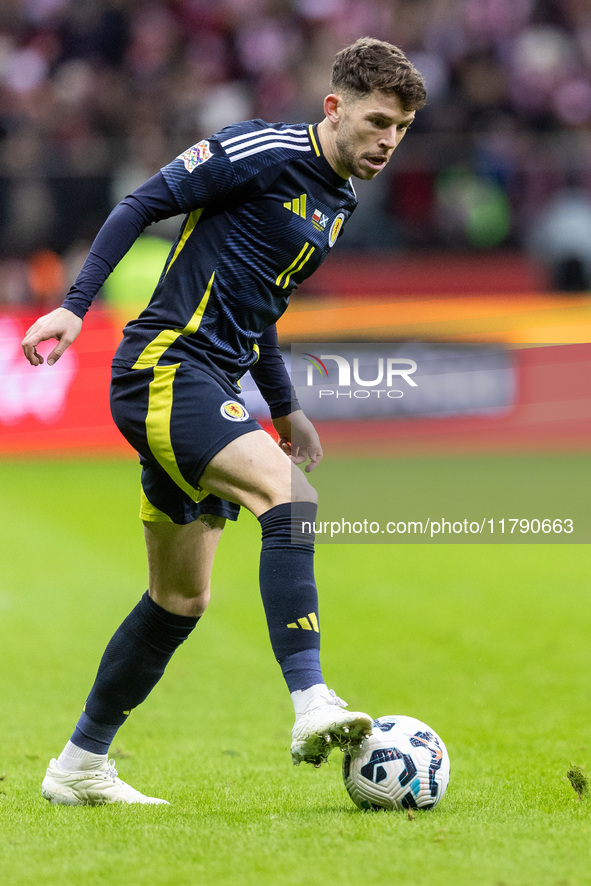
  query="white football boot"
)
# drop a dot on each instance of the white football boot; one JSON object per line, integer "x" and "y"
{"x": 90, "y": 787}
{"x": 322, "y": 724}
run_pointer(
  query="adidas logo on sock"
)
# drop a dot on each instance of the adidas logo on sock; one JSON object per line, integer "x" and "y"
{"x": 307, "y": 623}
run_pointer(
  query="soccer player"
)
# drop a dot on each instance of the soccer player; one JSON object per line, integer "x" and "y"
{"x": 263, "y": 205}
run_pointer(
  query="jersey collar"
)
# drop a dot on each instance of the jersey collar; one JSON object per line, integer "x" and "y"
{"x": 332, "y": 176}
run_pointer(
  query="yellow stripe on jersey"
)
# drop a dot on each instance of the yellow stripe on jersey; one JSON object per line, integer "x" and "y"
{"x": 290, "y": 268}
{"x": 313, "y": 140}
{"x": 191, "y": 222}
{"x": 154, "y": 351}
{"x": 300, "y": 266}
{"x": 158, "y": 428}
{"x": 294, "y": 267}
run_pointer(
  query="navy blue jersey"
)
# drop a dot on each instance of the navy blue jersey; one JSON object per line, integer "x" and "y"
{"x": 263, "y": 209}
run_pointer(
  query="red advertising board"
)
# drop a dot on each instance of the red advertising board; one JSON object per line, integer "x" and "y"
{"x": 64, "y": 409}
{"x": 551, "y": 413}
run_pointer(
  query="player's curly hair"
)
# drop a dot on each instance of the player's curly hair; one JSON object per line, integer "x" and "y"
{"x": 370, "y": 64}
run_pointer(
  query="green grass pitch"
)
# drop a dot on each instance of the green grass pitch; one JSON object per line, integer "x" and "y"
{"x": 489, "y": 644}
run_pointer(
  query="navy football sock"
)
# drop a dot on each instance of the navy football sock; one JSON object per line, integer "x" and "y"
{"x": 289, "y": 592}
{"x": 132, "y": 664}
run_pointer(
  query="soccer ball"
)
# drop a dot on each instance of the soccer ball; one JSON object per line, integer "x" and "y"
{"x": 402, "y": 765}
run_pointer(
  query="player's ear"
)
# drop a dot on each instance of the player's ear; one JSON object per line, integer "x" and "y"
{"x": 332, "y": 107}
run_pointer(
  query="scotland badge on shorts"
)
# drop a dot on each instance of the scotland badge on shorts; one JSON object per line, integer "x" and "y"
{"x": 234, "y": 411}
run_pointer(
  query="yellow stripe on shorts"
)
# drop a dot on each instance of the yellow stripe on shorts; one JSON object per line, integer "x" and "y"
{"x": 158, "y": 428}
{"x": 150, "y": 512}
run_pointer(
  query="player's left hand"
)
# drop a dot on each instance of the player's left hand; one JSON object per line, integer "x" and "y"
{"x": 298, "y": 439}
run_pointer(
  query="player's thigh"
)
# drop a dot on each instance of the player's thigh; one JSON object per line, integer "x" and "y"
{"x": 180, "y": 559}
{"x": 177, "y": 417}
{"x": 253, "y": 471}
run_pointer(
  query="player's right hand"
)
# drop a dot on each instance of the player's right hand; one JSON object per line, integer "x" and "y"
{"x": 60, "y": 324}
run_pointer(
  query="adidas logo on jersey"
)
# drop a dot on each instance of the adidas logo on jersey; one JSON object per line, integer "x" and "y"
{"x": 297, "y": 205}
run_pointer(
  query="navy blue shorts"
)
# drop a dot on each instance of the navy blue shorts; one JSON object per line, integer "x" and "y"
{"x": 177, "y": 417}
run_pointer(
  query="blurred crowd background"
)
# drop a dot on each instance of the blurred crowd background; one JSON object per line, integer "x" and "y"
{"x": 96, "y": 95}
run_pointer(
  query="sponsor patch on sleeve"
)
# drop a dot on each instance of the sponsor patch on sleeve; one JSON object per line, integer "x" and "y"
{"x": 196, "y": 155}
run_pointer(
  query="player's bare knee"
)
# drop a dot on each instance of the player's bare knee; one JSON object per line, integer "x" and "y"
{"x": 182, "y": 599}
{"x": 197, "y": 604}
{"x": 197, "y": 598}
{"x": 294, "y": 488}
{"x": 301, "y": 488}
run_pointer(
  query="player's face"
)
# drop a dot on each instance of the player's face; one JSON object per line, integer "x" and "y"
{"x": 368, "y": 132}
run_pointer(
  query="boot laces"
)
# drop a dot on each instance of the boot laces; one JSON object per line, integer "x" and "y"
{"x": 336, "y": 700}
